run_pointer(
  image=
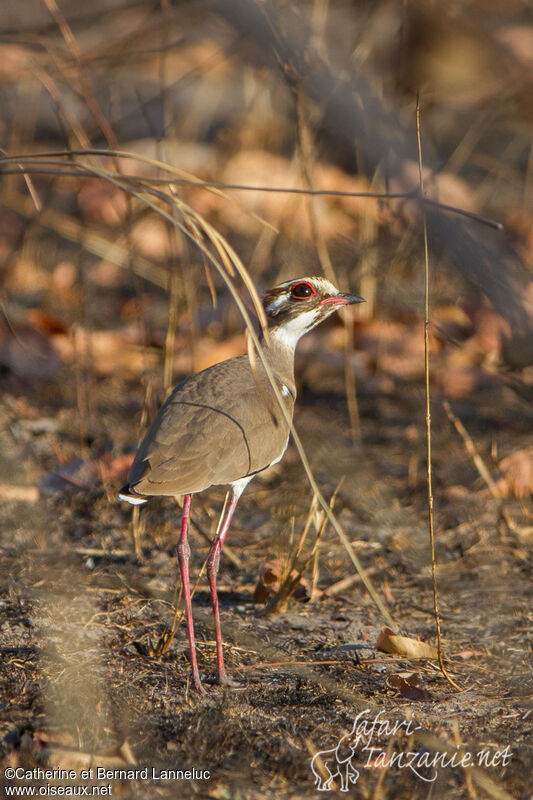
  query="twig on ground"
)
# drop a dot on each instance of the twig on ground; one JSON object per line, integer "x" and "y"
{"x": 472, "y": 450}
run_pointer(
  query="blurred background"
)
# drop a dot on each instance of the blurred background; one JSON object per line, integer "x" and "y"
{"x": 131, "y": 132}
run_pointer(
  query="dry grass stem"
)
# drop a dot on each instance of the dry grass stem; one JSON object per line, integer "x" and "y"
{"x": 428, "y": 415}
{"x": 25, "y": 163}
{"x": 170, "y": 337}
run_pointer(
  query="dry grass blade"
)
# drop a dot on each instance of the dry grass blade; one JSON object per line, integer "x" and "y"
{"x": 231, "y": 260}
{"x": 252, "y": 357}
{"x": 219, "y": 187}
{"x": 472, "y": 450}
{"x": 291, "y": 577}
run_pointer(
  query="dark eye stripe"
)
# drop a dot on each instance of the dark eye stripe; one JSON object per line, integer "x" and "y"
{"x": 302, "y": 291}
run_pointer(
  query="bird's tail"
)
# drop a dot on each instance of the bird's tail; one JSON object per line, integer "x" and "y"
{"x": 129, "y": 494}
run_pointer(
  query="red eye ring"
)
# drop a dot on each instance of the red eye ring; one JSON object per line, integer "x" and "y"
{"x": 302, "y": 291}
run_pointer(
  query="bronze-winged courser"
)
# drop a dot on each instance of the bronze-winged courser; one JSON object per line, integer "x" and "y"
{"x": 224, "y": 425}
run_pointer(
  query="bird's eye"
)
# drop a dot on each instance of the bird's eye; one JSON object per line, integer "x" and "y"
{"x": 302, "y": 291}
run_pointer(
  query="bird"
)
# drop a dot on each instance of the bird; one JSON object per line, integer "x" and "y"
{"x": 224, "y": 425}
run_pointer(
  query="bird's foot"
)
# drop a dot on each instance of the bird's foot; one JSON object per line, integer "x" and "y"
{"x": 197, "y": 684}
{"x": 225, "y": 680}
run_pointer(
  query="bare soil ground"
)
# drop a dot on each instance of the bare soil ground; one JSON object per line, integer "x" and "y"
{"x": 80, "y": 612}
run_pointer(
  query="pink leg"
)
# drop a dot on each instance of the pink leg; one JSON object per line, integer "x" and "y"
{"x": 184, "y": 553}
{"x": 213, "y": 563}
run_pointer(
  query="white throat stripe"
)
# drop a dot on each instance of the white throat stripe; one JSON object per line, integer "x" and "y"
{"x": 289, "y": 333}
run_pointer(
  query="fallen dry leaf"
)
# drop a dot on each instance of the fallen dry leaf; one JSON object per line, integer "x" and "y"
{"x": 209, "y": 352}
{"x": 80, "y": 474}
{"x": 517, "y": 479}
{"x": 393, "y": 347}
{"x": 152, "y": 239}
{"x": 390, "y": 642}
{"x": 28, "y": 355}
{"x": 114, "y": 469}
{"x": 519, "y": 40}
{"x": 466, "y": 654}
{"x": 457, "y": 381}
{"x": 60, "y": 752}
{"x": 102, "y": 203}
{"x": 257, "y": 167}
{"x": 109, "y": 352}
{"x": 407, "y": 684}
{"x": 77, "y": 474}
{"x": 44, "y": 322}
{"x": 269, "y": 582}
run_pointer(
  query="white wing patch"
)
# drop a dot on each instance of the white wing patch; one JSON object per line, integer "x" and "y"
{"x": 278, "y": 459}
{"x": 135, "y": 501}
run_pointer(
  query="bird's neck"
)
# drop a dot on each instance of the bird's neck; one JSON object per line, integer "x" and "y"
{"x": 279, "y": 351}
{"x": 289, "y": 332}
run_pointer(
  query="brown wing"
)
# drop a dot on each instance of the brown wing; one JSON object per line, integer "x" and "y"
{"x": 214, "y": 428}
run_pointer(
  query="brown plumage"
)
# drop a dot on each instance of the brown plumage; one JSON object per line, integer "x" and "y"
{"x": 224, "y": 425}
{"x": 215, "y": 428}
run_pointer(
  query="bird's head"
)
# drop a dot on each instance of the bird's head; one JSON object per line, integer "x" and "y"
{"x": 295, "y": 307}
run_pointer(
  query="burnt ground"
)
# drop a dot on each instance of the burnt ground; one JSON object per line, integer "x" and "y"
{"x": 80, "y": 612}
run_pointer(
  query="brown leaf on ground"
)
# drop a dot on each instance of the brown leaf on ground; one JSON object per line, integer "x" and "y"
{"x": 466, "y": 654}
{"x": 151, "y": 237}
{"x": 458, "y": 381}
{"x": 109, "y": 352}
{"x": 269, "y": 582}
{"x": 59, "y": 748}
{"x": 490, "y": 329}
{"x": 16, "y": 60}
{"x": 210, "y": 352}
{"x": 407, "y": 684}
{"x": 80, "y": 474}
{"x": 27, "y": 354}
{"x": 390, "y": 642}
{"x": 114, "y": 469}
{"x": 44, "y": 322}
{"x": 77, "y": 474}
{"x": 257, "y": 167}
{"x": 102, "y": 203}
{"x": 519, "y": 40}
{"x": 517, "y": 479}
{"x": 393, "y": 347}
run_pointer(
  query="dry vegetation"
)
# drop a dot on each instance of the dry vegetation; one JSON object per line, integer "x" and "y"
{"x": 116, "y": 276}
